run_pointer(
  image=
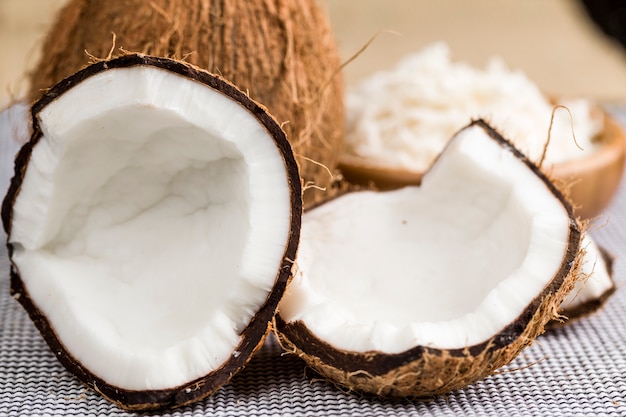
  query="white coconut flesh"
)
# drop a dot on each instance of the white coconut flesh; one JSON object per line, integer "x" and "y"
{"x": 594, "y": 278}
{"x": 447, "y": 264}
{"x": 140, "y": 228}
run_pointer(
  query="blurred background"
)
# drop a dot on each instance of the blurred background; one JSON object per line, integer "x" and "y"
{"x": 553, "y": 41}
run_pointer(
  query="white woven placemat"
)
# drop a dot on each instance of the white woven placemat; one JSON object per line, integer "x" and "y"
{"x": 579, "y": 370}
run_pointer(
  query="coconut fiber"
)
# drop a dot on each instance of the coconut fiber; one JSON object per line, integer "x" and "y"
{"x": 281, "y": 52}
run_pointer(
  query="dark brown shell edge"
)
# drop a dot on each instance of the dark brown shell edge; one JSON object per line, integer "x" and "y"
{"x": 253, "y": 335}
{"x": 423, "y": 371}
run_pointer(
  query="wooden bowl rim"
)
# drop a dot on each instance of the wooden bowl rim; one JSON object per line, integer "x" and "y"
{"x": 612, "y": 149}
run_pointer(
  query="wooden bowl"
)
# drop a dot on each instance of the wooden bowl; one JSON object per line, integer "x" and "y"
{"x": 590, "y": 182}
{"x": 593, "y": 181}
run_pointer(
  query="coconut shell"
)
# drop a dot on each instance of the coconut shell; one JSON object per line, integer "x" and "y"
{"x": 281, "y": 52}
{"x": 421, "y": 371}
{"x": 254, "y": 334}
{"x": 424, "y": 371}
{"x": 582, "y": 310}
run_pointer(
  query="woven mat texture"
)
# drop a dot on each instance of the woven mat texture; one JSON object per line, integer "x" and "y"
{"x": 579, "y": 370}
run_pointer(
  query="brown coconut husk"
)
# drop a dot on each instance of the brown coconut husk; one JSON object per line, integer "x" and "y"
{"x": 281, "y": 52}
{"x": 423, "y": 372}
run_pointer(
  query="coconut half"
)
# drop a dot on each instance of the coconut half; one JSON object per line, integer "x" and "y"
{"x": 152, "y": 224}
{"x": 425, "y": 289}
{"x": 594, "y": 285}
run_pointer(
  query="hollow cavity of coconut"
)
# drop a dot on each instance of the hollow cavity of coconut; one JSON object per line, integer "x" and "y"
{"x": 426, "y": 289}
{"x": 152, "y": 223}
{"x": 281, "y": 52}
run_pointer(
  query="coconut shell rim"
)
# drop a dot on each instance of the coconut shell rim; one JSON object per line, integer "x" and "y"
{"x": 253, "y": 336}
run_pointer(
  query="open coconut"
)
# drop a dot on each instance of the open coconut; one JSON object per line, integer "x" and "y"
{"x": 594, "y": 285}
{"x": 152, "y": 224}
{"x": 281, "y": 52}
{"x": 426, "y": 289}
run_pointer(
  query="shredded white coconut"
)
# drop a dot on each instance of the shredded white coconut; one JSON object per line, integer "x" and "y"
{"x": 404, "y": 117}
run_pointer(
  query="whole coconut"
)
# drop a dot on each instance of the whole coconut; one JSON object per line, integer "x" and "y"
{"x": 281, "y": 52}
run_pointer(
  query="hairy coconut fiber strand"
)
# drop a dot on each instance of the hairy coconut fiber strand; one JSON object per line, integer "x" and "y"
{"x": 282, "y": 52}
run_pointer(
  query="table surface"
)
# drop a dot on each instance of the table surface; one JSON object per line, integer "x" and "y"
{"x": 577, "y": 370}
